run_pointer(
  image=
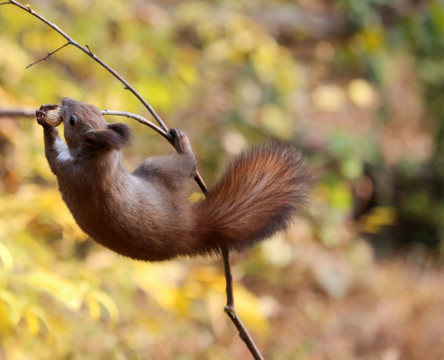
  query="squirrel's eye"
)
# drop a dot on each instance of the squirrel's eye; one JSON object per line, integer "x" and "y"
{"x": 72, "y": 120}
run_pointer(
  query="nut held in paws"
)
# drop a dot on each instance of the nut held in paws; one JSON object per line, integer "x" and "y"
{"x": 54, "y": 117}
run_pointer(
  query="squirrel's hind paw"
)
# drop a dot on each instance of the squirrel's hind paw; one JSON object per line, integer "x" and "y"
{"x": 180, "y": 141}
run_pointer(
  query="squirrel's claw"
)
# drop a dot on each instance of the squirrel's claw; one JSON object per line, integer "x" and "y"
{"x": 41, "y": 117}
{"x": 180, "y": 141}
{"x": 41, "y": 113}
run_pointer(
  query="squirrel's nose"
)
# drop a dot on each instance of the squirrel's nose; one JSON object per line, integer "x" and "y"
{"x": 67, "y": 100}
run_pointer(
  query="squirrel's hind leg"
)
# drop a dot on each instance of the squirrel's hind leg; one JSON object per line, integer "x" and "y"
{"x": 171, "y": 169}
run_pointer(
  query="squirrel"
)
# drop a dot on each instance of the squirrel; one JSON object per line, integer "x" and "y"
{"x": 147, "y": 214}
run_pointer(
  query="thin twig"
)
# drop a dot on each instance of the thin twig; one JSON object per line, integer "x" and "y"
{"x": 231, "y": 311}
{"x": 163, "y": 130}
{"x": 141, "y": 120}
{"x": 29, "y": 113}
{"x": 229, "y": 308}
{"x": 47, "y": 56}
{"x": 88, "y": 52}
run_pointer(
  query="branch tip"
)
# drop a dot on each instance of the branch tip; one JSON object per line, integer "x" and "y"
{"x": 48, "y": 55}
{"x": 89, "y": 50}
{"x": 230, "y": 311}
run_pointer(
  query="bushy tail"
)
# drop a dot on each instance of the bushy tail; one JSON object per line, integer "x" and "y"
{"x": 257, "y": 196}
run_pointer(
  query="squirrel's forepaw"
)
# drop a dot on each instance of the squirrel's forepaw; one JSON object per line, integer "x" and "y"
{"x": 41, "y": 118}
{"x": 48, "y": 116}
{"x": 180, "y": 141}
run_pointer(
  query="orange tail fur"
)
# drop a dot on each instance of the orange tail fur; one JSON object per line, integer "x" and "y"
{"x": 257, "y": 196}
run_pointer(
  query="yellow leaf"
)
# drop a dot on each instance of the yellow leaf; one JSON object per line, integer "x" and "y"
{"x": 266, "y": 60}
{"x": 63, "y": 290}
{"x": 371, "y": 40}
{"x": 16, "y": 60}
{"x": 94, "y": 308}
{"x": 248, "y": 306}
{"x": 245, "y": 40}
{"x": 15, "y": 306}
{"x": 249, "y": 309}
{"x": 276, "y": 121}
{"x": 187, "y": 73}
{"x": 33, "y": 322}
{"x": 5, "y": 322}
{"x": 218, "y": 50}
{"x": 6, "y": 257}
{"x": 361, "y": 93}
{"x": 196, "y": 197}
{"x": 157, "y": 91}
{"x": 328, "y": 98}
{"x": 162, "y": 284}
{"x": 40, "y": 315}
{"x": 378, "y": 217}
{"x": 97, "y": 298}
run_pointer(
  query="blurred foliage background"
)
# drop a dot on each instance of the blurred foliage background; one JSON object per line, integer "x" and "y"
{"x": 357, "y": 85}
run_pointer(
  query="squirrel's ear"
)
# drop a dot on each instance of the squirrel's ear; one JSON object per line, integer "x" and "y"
{"x": 123, "y": 131}
{"x": 114, "y": 136}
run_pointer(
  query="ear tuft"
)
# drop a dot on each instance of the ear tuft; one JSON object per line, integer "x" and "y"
{"x": 115, "y": 136}
{"x": 124, "y": 132}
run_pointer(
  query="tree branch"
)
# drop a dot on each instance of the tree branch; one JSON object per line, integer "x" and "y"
{"x": 231, "y": 311}
{"x": 48, "y": 55}
{"x": 162, "y": 130}
{"x": 141, "y": 120}
{"x": 29, "y": 113}
{"x": 88, "y": 52}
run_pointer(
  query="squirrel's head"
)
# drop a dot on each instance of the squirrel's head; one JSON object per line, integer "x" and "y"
{"x": 85, "y": 127}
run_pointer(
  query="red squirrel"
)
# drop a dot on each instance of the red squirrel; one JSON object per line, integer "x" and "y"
{"x": 147, "y": 214}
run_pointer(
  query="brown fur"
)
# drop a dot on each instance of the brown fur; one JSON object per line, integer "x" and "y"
{"x": 257, "y": 196}
{"x": 146, "y": 215}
